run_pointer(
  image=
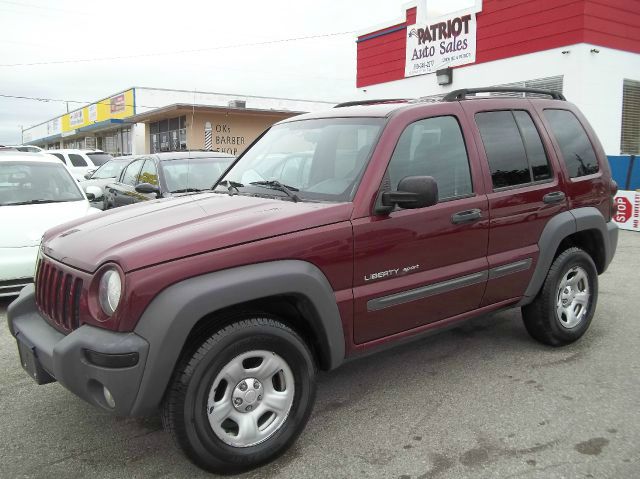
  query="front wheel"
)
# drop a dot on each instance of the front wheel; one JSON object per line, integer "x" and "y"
{"x": 243, "y": 397}
{"x": 564, "y": 308}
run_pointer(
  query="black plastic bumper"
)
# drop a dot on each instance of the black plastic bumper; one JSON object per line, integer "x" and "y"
{"x": 86, "y": 360}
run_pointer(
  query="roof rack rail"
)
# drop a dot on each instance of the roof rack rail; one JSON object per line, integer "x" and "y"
{"x": 371, "y": 102}
{"x": 458, "y": 95}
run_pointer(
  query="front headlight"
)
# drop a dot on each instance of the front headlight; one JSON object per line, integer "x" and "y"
{"x": 109, "y": 291}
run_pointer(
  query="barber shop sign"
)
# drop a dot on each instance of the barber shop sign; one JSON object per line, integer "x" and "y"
{"x": 441, "y": 43}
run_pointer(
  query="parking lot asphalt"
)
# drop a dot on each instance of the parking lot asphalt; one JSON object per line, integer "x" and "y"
{"x": 483, "y": 401}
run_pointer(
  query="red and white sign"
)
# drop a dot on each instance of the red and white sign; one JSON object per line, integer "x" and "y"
{"x": 628, "y": 210}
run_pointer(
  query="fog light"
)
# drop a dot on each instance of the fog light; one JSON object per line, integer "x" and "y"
{"x": 108, "y": 397}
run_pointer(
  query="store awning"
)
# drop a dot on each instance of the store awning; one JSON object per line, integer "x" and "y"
{"x": 100, "y": 125}
{"x": 185, "y": 108}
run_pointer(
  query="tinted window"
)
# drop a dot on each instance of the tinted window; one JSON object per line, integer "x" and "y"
{"x": 77, "y": 160}
{"x": 533, "y": 146}
{"x": 130, "y": 175}
{"x": 505, "y": 150}
{"x": 574, "y": 143}
{"x": 149, "y": 173}
{"x": 433, "y": 147}
{"x": 59, "y": 156}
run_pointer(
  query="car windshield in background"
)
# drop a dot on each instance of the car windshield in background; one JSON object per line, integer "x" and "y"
{"x": 185, "y": 175}
{"x": 321, "y": 159}
{"x": 99, "y": 159}
{"x": 33, "y": 183}
{"x": 111, "y": 169}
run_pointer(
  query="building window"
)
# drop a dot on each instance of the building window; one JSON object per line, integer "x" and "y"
{"x": 168, "y": 135}
{"x": 630, "y": 135}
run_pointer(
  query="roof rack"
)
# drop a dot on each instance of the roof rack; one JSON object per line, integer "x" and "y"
{"x": 371, "y": 102}
{"x": 458, "y": 95}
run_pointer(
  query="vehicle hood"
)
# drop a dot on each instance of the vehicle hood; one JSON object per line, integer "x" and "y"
{"x": 157, "y": 231}
{"x": 24, "y": 225}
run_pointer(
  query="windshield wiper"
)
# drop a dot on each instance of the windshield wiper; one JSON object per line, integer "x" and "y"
{"x": 231, "y": 185}
{"x": 187, "y": 190}
{"x": 33, "y": 202}
{"x": 276, "y": 185}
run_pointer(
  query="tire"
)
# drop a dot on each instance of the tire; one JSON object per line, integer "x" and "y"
{"x": 202, "y": 393}
{"x": 561, "y": 313}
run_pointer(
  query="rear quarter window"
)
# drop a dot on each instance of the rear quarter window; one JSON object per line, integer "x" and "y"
{"x": 575, "y": 148}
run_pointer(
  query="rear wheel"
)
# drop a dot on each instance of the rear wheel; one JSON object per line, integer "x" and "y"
{"x": 243, "y": 397}
{"x": 564, "y": 308}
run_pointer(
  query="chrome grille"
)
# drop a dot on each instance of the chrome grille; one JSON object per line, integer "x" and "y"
{"x": 58, "y": 295}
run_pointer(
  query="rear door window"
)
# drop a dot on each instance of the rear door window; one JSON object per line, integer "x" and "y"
{"x": 514, "y": 149}
{"x": 575, "y": 147}
{"x": 77, "y": 160}
{"x": 59, "y": 156}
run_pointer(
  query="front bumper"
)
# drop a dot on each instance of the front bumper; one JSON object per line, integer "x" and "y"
{"x": 16, "y": 269}
{"x": 71, "y": 359}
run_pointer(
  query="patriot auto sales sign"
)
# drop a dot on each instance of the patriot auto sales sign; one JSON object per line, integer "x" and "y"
{"x": 440, "y": 43}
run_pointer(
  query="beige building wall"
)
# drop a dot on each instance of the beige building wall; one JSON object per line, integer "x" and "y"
{"x": 231, "y": 132}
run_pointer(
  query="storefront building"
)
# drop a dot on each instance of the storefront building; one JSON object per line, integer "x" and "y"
{"x": 144, "y": 120}
{"x": 587, "y": 49}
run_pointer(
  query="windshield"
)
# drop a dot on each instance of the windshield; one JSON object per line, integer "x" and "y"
{"x": 110, "y": 169}
{"x": 320, "y": 159}
{"x": 99, "y": 158}
{"x": 31, "y": 183}
{"x": 193, "y": 174}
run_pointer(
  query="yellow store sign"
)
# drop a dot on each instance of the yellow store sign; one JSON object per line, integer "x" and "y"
{"x": 117, "y": 107}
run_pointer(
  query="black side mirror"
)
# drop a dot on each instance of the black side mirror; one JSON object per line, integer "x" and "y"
{"x": 147, "y": 189}
{"x": 413, "y": 192}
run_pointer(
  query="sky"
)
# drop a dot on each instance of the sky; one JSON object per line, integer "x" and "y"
{"x": 51, "y": 31}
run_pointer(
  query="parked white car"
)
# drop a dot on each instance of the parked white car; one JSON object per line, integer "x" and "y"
{"x": 37, "y": 192}
{"x": 26, "y": 148}
{"x": 80, "y": 162}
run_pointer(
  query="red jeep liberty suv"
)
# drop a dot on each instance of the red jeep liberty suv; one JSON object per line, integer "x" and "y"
{"x": 333, "y": 235}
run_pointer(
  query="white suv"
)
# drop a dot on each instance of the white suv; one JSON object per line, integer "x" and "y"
{"x": 80, "y": 162}
{"x": 36, "y": 193}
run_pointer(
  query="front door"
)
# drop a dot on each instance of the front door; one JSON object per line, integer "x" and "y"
{"x": 417, "y": 266}
{"x": 123, "y": 191}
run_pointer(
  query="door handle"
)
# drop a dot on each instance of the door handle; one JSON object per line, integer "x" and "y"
{"x": 553, "y": 197}
{"x": 466, "y": 216}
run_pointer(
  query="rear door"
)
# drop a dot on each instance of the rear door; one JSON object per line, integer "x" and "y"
{"x": 413, "y": 267}
{"x": 79, "y": 165}
{"x": 524, "y": 189}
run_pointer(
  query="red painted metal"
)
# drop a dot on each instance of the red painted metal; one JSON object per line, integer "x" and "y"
{"x": 508, "y": 28}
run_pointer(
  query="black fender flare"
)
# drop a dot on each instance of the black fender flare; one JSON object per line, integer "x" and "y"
{"x": 172, "y": 314}
{"x": 556, "y": 230}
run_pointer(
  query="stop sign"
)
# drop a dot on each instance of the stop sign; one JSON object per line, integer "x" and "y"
{"x": 624, "y": 209}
